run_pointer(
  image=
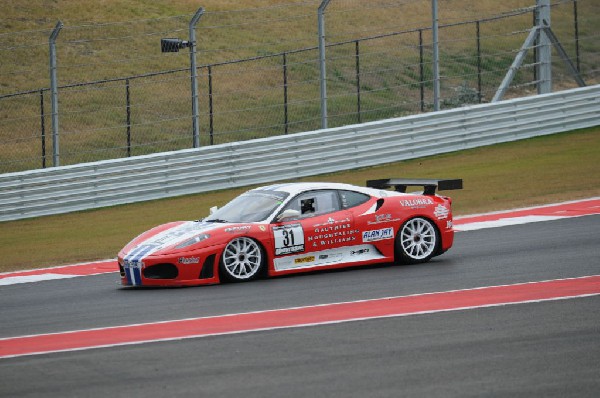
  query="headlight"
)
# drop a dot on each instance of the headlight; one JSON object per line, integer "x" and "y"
{"x": 194, "y": 240}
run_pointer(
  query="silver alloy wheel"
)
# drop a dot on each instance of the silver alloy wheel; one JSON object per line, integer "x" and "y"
{"x": 418, "y": 239}
{"x": 242, "y": 258}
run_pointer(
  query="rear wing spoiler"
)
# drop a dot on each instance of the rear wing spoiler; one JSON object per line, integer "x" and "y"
{"x": 429, "y": 185}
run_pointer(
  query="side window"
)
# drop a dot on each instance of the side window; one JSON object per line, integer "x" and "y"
{"x": 315, "y": 203}
{"x": 351, "y": 198}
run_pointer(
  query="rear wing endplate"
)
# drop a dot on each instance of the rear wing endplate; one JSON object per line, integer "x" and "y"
{"x": 429, "y": 185}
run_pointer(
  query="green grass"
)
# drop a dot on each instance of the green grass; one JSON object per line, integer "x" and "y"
{"x": 524, "y": 173}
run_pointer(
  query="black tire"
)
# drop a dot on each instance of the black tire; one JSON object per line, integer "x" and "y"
{"x": 243, "y": 259}
{"x": 417, "y": 241}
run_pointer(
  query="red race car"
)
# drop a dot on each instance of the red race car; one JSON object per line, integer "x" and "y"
{"x": 296, "y": 227}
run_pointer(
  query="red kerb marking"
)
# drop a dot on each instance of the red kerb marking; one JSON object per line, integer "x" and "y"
{"x": 95, "y": 268}
{"x": 303, "y": 316}
{"x": 569, "y": 209}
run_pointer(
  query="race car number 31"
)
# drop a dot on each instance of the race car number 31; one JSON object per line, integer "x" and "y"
{"x": 288, "y": 239}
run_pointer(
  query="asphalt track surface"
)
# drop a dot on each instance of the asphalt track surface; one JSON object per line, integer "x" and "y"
{"x": 549, "y": 348}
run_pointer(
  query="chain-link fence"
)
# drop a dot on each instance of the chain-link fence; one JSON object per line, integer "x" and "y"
{"x": 258, "y": 73}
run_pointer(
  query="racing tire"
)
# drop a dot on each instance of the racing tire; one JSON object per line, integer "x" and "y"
{"x": 243, "y": 259}
{"x": 417, "y": 241}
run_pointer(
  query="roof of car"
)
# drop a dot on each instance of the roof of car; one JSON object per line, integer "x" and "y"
{"x": 295, "y": 188}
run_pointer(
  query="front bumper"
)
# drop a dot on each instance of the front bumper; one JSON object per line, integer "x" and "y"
{"x": 190, "y": 269}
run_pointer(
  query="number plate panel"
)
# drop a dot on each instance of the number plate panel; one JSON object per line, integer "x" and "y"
{"x": 288, "y": 239}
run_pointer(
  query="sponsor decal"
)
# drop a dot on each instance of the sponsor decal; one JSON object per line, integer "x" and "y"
{"x": 303, "y": 260}
{"x": 288, "y": 250}
{"x": 378, "y": 234}
{"x": 331, "y": 221}
{"x": 262, "y": 228}
{"x": 238, "y": 229}
{"x": 133, "y": 264}
{"x": 449, "y": 224}
{"x": 288, "y": 239}
{"x": 416, "y": 203}
{"x": 359, "y": 252}
{"x": 382, "y": 218}
{"x": 330, "y": 242}
{"x": 332, "y": 228}
{"x": 319, "y": 259}
{"x": 188, "y": 260}
{"x": 333, "y": 233}
{"x": 441, "y": 212}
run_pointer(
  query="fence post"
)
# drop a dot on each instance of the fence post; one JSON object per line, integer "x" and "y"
{"x": 479, "y": 96}
{"x": 194, "y": 76}
{"x": 544, "y": 53}
{"x": 436, "y": 56}
{"x": 43, "y": 127}
{"x": 54, "y": 93}
{"x": 421, "y": 71}
{"x": 128, "y": 108}
{"x": 357, "y": 52}
{"x": 576, "y": 22}
{"x": 535, "y": 49}
{"x": 211, "y": 116}
{"x": 285, "y": 94}
{"x": 323, "y": 80}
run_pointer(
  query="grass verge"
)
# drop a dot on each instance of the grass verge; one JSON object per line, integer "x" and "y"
{"x": 530, "y": 172}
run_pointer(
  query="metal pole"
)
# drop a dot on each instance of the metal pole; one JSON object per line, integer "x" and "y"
{"x": 544, "y": 53}
{"x": 421, "y": 71}
{"x": 211, "y": 115}
{"x": 535, "y": 45}
{"x": 358, "y": 104}
{"x": 43, "y": 126}
{"x": 564, "y": 56}
{"x": 321, "y": 21}
{"x": 54, "y": 94}
{"x": 194, "y": 76}
{"x": 576, "y": 21}
{"x": 128, "y": 110}
{"x": 285, "y": 94}
{"x": 479, "y": 96}
{"x": 517, "y": 62}
{"x": 436, "y": 57}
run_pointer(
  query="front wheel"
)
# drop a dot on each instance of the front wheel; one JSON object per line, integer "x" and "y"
{"x": 242, "y": 260}
{"x": 417, "y": 241}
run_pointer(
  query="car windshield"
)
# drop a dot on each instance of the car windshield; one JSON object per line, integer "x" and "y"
{"x": 252, "y": 206}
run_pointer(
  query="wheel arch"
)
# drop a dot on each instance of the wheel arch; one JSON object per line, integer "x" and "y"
{"x": 222, "y": 273}
{"x": 439, "y": 236}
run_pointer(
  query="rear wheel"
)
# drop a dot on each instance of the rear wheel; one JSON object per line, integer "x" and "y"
{"x": 242, "y": 260}
{"x": 417, "y": 241}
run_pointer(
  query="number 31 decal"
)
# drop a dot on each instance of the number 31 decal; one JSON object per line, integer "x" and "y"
{"x": 288, "y": 239}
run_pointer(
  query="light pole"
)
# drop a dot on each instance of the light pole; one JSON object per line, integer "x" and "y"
{"x": 323, "y": 80}
{"x": 174, "y": 45}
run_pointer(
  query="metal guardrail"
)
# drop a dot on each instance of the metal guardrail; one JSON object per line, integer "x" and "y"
{"x": 113, "y": 182}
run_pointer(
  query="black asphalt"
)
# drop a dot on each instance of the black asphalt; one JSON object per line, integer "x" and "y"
{"x": 536, "y": 349}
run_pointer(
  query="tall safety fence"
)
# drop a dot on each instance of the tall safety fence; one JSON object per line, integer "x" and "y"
{"x": 258, "y": 73}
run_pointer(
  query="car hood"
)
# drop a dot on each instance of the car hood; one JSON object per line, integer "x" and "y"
{"x": 165, "y": 238}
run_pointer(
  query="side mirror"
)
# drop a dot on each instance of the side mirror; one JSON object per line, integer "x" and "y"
{"x": 288, "y": 214}
{"x": 213, "y": 209}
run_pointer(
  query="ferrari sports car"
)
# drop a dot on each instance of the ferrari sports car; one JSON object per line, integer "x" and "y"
{"x": 296, "y": 227}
